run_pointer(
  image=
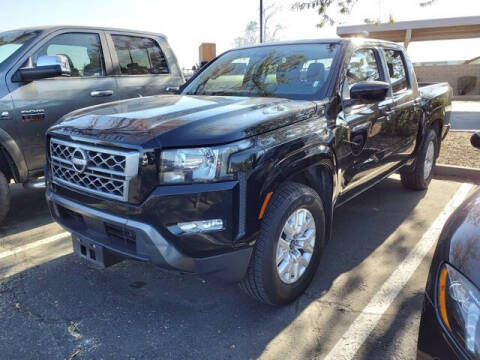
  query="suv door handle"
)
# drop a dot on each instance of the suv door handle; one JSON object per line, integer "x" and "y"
{"x": 4, "y": 115}
{"x": 100, "y": 93}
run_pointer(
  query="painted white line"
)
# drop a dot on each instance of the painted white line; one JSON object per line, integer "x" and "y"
{"x": 33, "y": 245}
{"x": 360, "y": 329}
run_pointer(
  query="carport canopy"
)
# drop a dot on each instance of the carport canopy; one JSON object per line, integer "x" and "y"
{"x": 418, "y": 30}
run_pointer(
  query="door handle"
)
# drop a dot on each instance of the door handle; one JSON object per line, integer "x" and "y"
{"x": 101, "y": 93}
{"x": 388, "y": 111}
{"x": 4, "y": 115}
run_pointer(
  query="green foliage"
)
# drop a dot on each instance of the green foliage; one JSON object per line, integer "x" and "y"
{"x": 324, "y": 9}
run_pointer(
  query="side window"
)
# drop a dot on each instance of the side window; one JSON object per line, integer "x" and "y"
{"x": 396, "y": 69}
{"x": 83, "y": 51}
{"x": 363, "y": 66}
{"x": 137, "y": 55}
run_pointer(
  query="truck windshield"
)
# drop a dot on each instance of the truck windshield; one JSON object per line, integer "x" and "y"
{"x": 292, "y": 71}
{"x": 12, "y": 41}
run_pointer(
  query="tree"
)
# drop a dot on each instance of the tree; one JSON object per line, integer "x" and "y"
{"x": 250, "y": 37}
{"x": 344, "y": 7}
{"x": 271, "y": 30}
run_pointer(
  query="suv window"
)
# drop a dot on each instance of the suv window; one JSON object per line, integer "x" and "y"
{"x": 137, "y": 55}
{"x": 83, "y": 51}
{"x": 396, "y": 69}
{"x": 363, "y": 66}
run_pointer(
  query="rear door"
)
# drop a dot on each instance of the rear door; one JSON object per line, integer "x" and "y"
{"x": 39, "y": 104}
{"x": 142, "y": 63}
{"x": 368, "y": 127}
{"x": 406, "y": 111}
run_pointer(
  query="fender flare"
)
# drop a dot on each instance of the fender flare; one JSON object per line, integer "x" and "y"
{"x": 283, "y": 171}
{"x": 13, "y": 151}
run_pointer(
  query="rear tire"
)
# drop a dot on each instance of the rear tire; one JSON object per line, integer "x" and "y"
{"x": 278, "y": 274}
{"x": 419, "y": 178}
{"x": 4, "y": 197}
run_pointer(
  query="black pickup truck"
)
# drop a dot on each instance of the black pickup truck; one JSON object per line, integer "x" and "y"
{"x": 238, "y": 174}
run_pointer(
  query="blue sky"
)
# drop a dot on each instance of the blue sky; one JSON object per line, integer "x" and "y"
{"x": 187, "y": 23}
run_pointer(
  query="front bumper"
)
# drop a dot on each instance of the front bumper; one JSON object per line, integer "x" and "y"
{"x": 433, "y": 341}
{"x": 121, "y": 237}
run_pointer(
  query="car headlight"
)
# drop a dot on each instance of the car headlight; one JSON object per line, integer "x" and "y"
{"x": 196, "y": 165}
{"x": 458, "y": 302}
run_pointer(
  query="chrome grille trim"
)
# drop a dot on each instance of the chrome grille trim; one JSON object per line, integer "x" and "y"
{"x": 108, "y": 171}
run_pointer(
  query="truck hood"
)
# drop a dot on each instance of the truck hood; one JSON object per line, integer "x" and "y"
{"x": 180, "y": 120}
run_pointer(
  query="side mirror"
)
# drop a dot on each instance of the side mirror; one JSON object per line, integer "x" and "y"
{"x": 369, "y": 91}
{"x": 475, "y": 140}
{"x": 47, "y": 67}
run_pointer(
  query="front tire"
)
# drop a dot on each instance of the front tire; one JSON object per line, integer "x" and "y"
{"x": 419, "y": 178}
{"x": 4, "y": 197}
{"x": 287, "y": 251}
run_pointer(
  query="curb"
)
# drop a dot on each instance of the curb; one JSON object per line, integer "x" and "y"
{"x": 463, "y": 130}
{"x": 457, "y": 172}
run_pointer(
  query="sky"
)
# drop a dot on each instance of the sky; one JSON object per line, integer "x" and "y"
{"x": 188, "y": 23}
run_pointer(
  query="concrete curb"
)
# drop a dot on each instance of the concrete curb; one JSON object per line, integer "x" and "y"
{"x": 457, "y": 172}
{"x": 463, "y": 130}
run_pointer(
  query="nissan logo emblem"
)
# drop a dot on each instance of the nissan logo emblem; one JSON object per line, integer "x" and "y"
{"x": 79, "y": 160}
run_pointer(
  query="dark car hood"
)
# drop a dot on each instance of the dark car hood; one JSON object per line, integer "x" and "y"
{"x": 461, "y": 237}
{"x": 180, "y": 120}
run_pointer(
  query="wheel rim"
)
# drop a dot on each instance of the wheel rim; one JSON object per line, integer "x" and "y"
{"x": 429, "y": 157}
{"x": 295, "y": 246}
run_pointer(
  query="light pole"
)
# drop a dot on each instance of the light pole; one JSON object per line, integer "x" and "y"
{"x": 261, "y": 21}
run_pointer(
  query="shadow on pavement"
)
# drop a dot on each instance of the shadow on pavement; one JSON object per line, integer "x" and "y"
{"x": 28, "y": 210}
{"x": 133, "y": 310}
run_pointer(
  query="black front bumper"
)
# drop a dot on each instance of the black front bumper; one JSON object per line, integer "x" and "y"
{"x": 105, "y": 238}
{"x": 433, "y": 341}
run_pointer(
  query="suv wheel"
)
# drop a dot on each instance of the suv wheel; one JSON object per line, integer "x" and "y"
{"x": 288, "y": 248}
{"x": 4, "y": 197}
{"x": 419, "y": 178}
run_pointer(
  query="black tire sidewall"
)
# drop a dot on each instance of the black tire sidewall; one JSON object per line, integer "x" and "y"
{"x": 280, "y": 292}
{"x": 4, "y": 197}
{"x": 431, "y": 136}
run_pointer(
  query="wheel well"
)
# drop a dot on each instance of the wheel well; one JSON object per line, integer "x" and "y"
{"x": 320, "y": 179}
{"x": 437, "y": 127}
{"x": 7, "y": 166}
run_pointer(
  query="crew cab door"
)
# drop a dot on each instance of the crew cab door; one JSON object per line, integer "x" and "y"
{"x": 367, "y": 127}
{"x": 144, "y": 65}
{"x": 406, "y": 110}
{"x": 40, "y": 103}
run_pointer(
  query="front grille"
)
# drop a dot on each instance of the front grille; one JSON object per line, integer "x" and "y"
{"x": 98, "y": 170}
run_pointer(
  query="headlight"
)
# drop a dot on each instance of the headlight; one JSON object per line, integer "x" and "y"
{"x": 206, "y": 164}
{"x": 458, "y": 303}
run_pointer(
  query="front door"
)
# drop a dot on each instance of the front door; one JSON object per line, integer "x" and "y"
{"x": 39, "y": 104}
{"x": 367, "y": 127}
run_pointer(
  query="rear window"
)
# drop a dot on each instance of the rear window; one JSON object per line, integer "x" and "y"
{"x": 397, "y": 70}
{"x": 139, "y": 56}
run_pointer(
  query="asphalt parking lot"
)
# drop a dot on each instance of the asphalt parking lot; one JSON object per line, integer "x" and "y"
{"x": 56, "y": 306}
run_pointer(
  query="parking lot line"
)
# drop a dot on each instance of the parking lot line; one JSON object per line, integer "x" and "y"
{"x": 360, "y": 329}
{"x": 33, "y": 245}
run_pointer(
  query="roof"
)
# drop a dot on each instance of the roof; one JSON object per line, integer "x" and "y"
{"x": 326, "y": 40}
{"x": 49, "y": 28}
{"x": 420, "y": 30}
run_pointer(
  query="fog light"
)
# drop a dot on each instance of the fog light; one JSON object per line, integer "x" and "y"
{"x": 201, "y": 226}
